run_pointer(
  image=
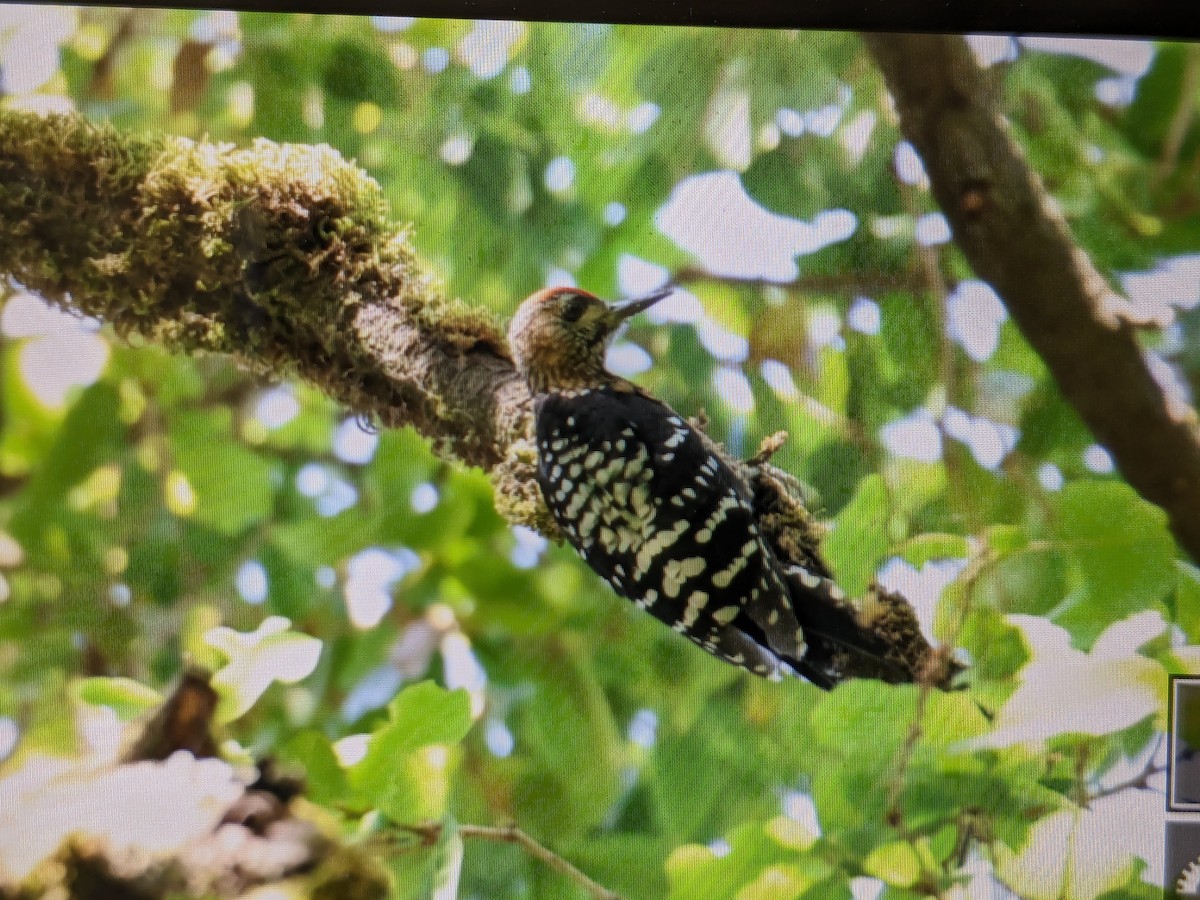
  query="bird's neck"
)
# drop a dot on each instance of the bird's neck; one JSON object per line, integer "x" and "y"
{"x": 550, "y": 380}
{"x": 612, "y": 383}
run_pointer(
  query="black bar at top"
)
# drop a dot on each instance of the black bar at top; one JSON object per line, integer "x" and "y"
{"x": 1113, "y": 18}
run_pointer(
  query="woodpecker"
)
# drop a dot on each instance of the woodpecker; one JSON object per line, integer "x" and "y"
{"x": 663, "y": 519}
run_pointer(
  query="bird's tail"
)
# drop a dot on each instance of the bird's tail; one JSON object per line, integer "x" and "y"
{"x": 840, "y": 645}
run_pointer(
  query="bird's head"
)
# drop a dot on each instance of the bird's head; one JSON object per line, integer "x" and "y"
{"x": 558, "y": 336}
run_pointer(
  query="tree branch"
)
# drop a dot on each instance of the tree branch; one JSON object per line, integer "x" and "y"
{"x": 282, "y": 256}
{"x": 429, "y": 832}
{"x": 1140, "y": 781}
{"x": 867, "y": 283}
{"x": 1012, "y": 233}
{"x": 278, "y": 255}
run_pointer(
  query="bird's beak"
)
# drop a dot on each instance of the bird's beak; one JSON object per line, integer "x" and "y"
{"x": 627, "y": 308}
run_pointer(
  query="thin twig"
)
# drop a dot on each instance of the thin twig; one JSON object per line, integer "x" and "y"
{"x": 969, "y": 577}
{"x": 929, "y": 881}
{"x": 866, "y": 283}
{"x": 895, "y": 812}
{"x": 1185, "y": 111}
{"x": 1140, "y": 781}
{"x": 429, "y": 832}
{"x": 1079, "y": 792}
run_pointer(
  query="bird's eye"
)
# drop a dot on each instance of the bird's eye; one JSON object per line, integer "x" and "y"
{"x": 573, "y": 308}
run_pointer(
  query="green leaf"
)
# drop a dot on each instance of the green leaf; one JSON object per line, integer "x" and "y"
{"x": 1069, "y": 855}
{"x": 90, "y": 435}
{"x": 393, "y": 776}
{"x": 126, "y": 697}
{"x": 1064, "y": 690}
{"x": 568, "y": 728}
{"x": 324, "y": 778}
{"x": 697, "y": 873}
{"x": 420, "y": 715}
{"x": 896, "y": 863}
{"x": 630, "y": 863}
{"x": 864, "y": 719}
{"x": 359, "y": 70}
{"x": 1156, "y": 103}
{"x": 779, "y": 183}
{"x": 708, "y": 762}
{"x": 925, "y": 548}
{"x": 859, "y": 541}
{"x": 908, "y": 339}
{"x": 317, "y": 540}
{"x": 757, "y": 865}
{"x": 1121, "y": 550}
{"x": 1187, "y": 600}
{"x": 278, "y": 108}
{"x": 950, "y": 718}
{"x": 939, "y": 786}
{"x": 228, "y": 486}
{"x": 1006, "y": 539}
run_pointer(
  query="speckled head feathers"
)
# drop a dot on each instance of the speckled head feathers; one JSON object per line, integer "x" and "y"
{"x": 558, "y": 336}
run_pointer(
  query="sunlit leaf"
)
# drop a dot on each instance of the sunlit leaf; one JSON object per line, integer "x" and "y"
{"x": 255, "y": 660}
{"x": 859, "y": 540}
{"x": 405, "y": 770}
{"x": 126, "y": 697}
{"x": 1121, "y": 550}
{"x": 1068, "y": 856}
{"x": 1064, "y": 690}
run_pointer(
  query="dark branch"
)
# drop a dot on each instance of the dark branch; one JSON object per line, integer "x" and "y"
{"x": 868, "y": 283}
{"x": 1140, "y": 781}
{"x": 1015, "y": 238}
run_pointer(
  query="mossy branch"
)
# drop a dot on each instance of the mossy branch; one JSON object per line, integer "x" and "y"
{"x": 283, "y": 257}
{"x": 279, "y": 255}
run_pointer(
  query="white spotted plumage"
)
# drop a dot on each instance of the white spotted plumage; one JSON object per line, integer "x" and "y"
{"x": 672, "y": 558}
{"x": 658, "y": 515}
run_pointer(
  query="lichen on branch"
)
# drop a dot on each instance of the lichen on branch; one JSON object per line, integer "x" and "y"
{"x": 279, "y": 255}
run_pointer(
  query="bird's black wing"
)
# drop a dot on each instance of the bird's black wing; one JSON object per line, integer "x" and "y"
{"x": 670, "y": 526}
{"x": 666, "y": 523}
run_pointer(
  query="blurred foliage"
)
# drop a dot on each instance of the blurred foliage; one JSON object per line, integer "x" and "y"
{"x": 168, "y": 509}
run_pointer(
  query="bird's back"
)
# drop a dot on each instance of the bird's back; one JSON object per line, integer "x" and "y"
{"x": 670, "y": 526}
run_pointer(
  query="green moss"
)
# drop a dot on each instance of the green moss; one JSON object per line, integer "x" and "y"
{"x": 280, "y": 255}
{"x": 465, "y": 327}
{"x": 518, "y": 496}
{"x": 266, "y": 252}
